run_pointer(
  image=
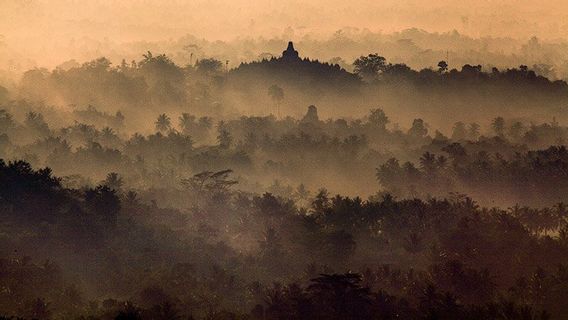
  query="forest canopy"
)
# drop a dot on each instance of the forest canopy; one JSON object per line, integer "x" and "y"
{"x": 391, "y": 181}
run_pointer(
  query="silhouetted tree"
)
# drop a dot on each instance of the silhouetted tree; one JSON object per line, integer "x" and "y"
{"x": 224, "y": 137}
{"x": 369, "y": 67}
{"x": 459, "y": 131}
{"x": 473, "y": 131}
{"x": 277, "y": 95}
{"x": 498, "y": 126}
{"x": 418, "y": 128}
{"x": 442, "y": 66}
{"x": 378, "y": 118}
{"x": 113, "y": 181}
{"x": 163, "y": 124}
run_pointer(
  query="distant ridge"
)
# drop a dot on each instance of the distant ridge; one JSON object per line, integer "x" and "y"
{"x": 291, "y": 68}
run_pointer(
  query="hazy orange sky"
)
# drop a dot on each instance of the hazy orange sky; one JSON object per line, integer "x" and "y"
{"x": 41, "y": 29}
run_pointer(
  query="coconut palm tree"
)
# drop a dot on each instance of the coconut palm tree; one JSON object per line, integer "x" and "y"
{"x": 186, "y": 121}
{"x": 113, "y": 181}
{"x": 428, "y": 162}
{"x": 163, "y": 124}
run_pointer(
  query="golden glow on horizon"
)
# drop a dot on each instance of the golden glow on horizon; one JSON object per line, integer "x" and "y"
{"x": 47, "y": 30}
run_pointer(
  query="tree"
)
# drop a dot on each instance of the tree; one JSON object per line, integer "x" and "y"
{"x": 205, "y": 122}
{"x": 321, "y": 202}
{"x": 209, "y": 66}
{"x": 209, "y": 184}
{"x": 39, "y": 309}
{"x": 340, "y": 245}
{"x": 271, "y": 248}
{"x": 107, "y": 132}
{"x": 428, "y": 162}
{"x": 498, "y": 126}
{"x": 456, "y": 152}
{"x": 186, "y": 122}
{"x": 473, "y": 131}
{"x": 131, "y": 197}
{"x": 104, "y": 203}
{"x": 113, "y": 181}
{"x": 4, "y": 94}
{"x": 418, "y": 129}
{"x": 340, "y": 296}
{"x": 389, "y": 174}
{"x": 36, "y": 122}
{"x": 378, "y": 118}
{"x": 129, "y": 312}
{"x": 301, "y": 193}
{"x": 163, "y": 124}
{"x": 370, "y": 66}
{"x": 6, "y": 121}
{"x": 442, "y": 66}
{"x": 224, "y": 137}
{"x": 277, "y": 95}
{"x": 516, "y": 130}
{"x": 459, "y": 132}
{"x": 160, "y": 67}
{"x": 311, "y": 115}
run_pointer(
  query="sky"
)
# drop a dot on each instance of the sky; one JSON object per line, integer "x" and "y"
{"x": 46, "y": 30}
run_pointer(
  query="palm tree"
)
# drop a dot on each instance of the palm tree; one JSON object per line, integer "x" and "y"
{"x": 107, "y": 132}
{"x": 113, "y": 181}
{"x": 442, "y": 162}
{"x": 302, "y": 193}
{"x": 131, "y": 197}
{"x": 516, "y": 130}
{"x": 224, "y": 136}
{"x": 340, "y": 295}
{"x": 428, "y": 162}
{"x": 561, "y": 210}
{"x": 163, "y": 124}
{"x": 186, "y": 121}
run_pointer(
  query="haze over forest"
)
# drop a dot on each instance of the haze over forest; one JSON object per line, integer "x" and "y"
{"x": 47, "y": 32}
{"x": 275, "y": 160}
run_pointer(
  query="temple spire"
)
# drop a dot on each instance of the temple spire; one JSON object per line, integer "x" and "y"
{"x": 290, "y": 53}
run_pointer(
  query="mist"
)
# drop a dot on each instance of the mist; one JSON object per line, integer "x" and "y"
{"x": 283, "y": 160}
{"x": 45, "y": 33}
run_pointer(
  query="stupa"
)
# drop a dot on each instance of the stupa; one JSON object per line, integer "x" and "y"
{"x": 290, "y": 54}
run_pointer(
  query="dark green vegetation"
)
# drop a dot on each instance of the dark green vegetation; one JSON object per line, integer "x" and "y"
{"x": 141, "y": 89}
{"x": 162, "y": 197}
{"x": 237, "y": 254}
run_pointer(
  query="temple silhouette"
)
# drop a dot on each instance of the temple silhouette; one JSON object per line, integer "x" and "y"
{"x": 290, "y": 54}
{"x": 291, "y": 70}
